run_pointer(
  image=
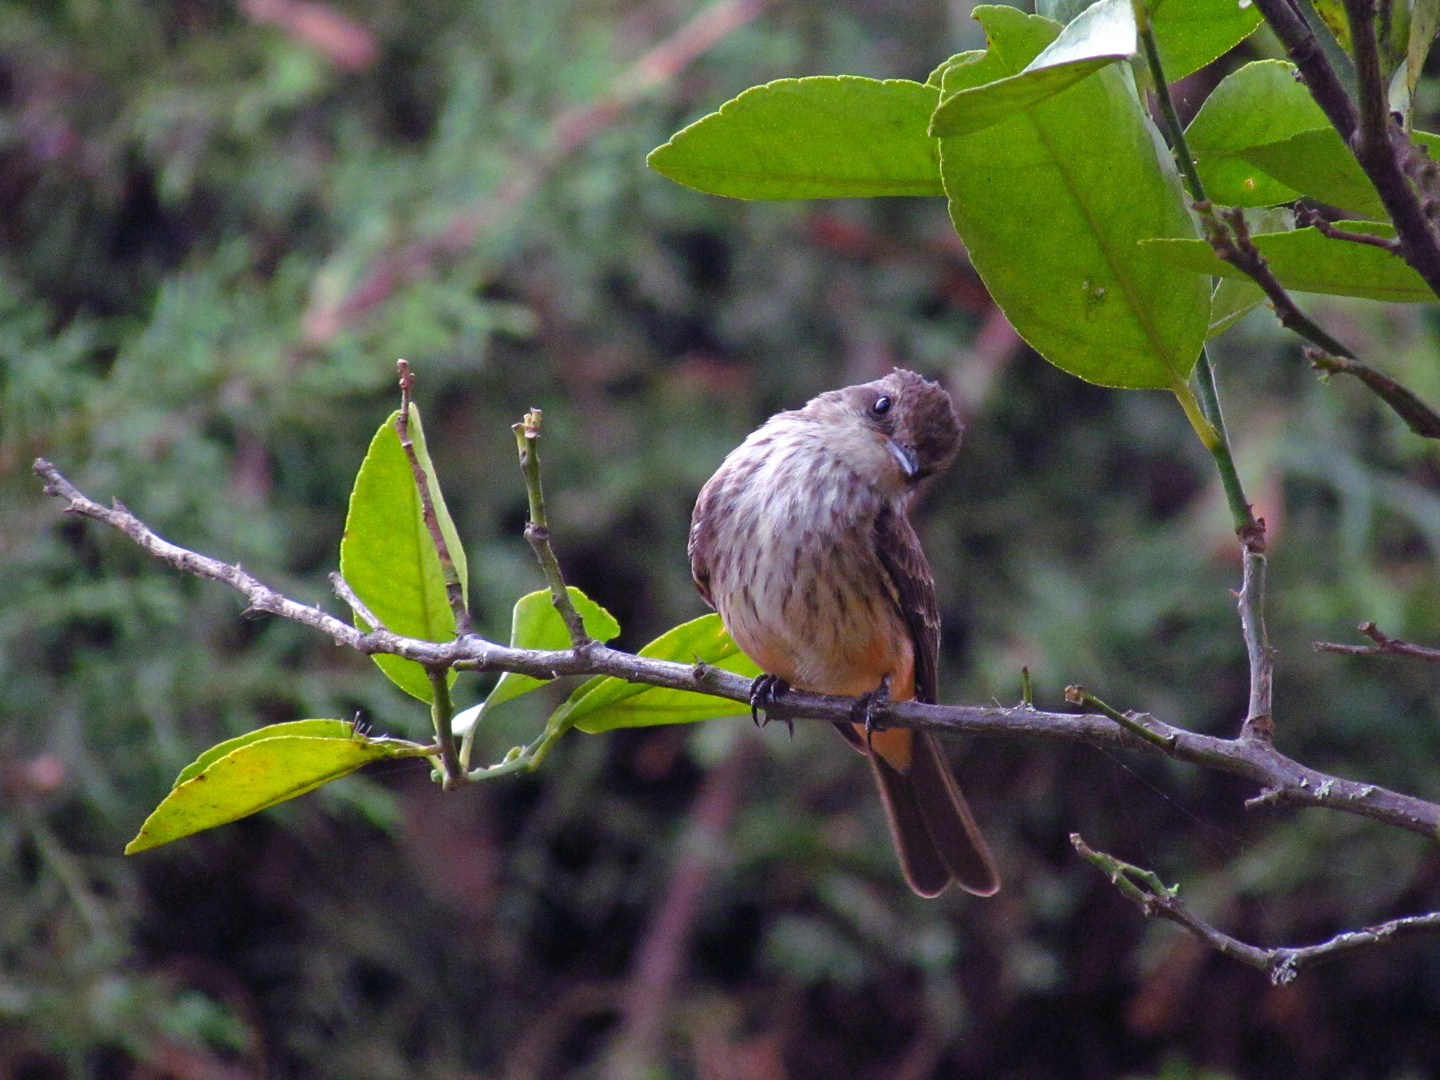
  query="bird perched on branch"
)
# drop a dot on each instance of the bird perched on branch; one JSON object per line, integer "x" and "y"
{"x": 803, "y": 543}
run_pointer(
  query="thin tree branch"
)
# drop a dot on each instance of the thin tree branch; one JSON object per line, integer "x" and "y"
{"x": 454, "y": 588}
{"x": 1233, "y": 244}
{"x": 537, "y": 529}
{"x": 1174, "y": 130}
{"x": 1229, "y": 236}
{"x": 1310, "y": 218}
{"x": 331, "y": 315}
{"x": 1385, "y": 645}
{"x": 1379, "y": 146}
{"x": 358, "y": 606}
{"x": 1259, "y": 721}
{"x": 1419, "y": 417}
{"x": 1282, "y": 778}
{"x": 1283, "y": 963}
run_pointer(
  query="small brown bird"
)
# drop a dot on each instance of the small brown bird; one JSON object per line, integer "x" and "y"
{"x": 803, "y": 543}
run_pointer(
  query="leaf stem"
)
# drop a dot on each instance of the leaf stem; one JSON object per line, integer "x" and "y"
{"x": 1250, "y": 531}
{"x": 1171, "y": 119}
{"x": 1195, "y": 414}
{"x": 1078, "y": 695}
{"x": 537, "y": 529}
{"x": 442, "y": 712}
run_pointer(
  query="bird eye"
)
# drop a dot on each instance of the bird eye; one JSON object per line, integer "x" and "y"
{"x": 881, "y": 406}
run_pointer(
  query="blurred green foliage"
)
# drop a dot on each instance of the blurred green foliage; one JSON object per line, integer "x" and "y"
{"x": 190, "y": 192}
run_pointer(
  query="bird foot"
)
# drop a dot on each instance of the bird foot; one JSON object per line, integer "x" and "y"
{"x": 868, "y": 705}
{"x": 765, "y": 691}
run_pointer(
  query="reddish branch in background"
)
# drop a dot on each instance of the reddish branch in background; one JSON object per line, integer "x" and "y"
{"x": 329, "y": 316}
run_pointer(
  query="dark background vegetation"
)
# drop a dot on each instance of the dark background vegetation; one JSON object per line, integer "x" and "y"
{"x": 188, "y": 193}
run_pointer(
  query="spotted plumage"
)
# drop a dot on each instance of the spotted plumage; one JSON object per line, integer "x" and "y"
{"x": 803, "y": 543}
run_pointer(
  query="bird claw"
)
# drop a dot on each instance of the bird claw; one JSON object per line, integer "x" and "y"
{"x": 765, "y": 691}
{"x": 867, "y": 705}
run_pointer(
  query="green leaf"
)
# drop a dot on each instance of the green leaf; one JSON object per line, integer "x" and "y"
{"x": 1259, "y": 104}
{"x": 825, "y": 137}
{"x": 1309, "y": 262}
{"x": 959, "y": 58}
{"x": 1424, "y": 21}
{"x": 388, "y": 557}
{"x": 1051, "y": 204}
{"x": 1231, "y": 301}
{"x": 537, "y": 625}
{"x": 1191, "y": 33}
{"x": 1318, "y": 164}
{"x": 1100, "y": 35}
{"x": 603, "y": 703}
{"x": 259, "y": 770}
{"x": 322, "y": 729}
{"x": 1260, "y": 139}
{"x": 1188, "y": 33}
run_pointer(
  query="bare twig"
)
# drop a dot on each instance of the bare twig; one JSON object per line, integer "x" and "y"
{"x": 454, "y": 588}
{"x": 1257, "y": 761}
{"x": 1283, "y": 963}
{"x": 570, "y": 130}
{"x": 1309, "y": 217}
{"x": 1385, "y": 645}
{"x": 1259, "y": 722}
{"x": 358, "y": 606}
{"x": 1418, "y": 417}
{"x": 537, "y": 529}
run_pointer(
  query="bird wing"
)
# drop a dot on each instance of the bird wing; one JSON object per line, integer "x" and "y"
{"x": 702, "y": 537}
{"x": 913, "y": 589}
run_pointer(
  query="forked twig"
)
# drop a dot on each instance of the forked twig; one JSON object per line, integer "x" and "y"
{"x": 1283, "y": 963}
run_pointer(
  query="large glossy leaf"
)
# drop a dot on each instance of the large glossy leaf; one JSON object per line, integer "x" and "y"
{"x": 1259, "y": 104}
{"x": 1309, "y": 262}
{"x": 1100, "y": 35}
{"x": 816, "y": 138}
{"x": 1051, "y": 205}
{"x": 1318, "y": 164}
{"x": 537, "y": 625}
{"x": 1191, "y": 33}
{"x": 1260, "y": 139}
{"x": 1188, "y": 33}
{"x": 602, "y": 704}
{"x": 388, "y": 557}
{"x": 265, "y": 767}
